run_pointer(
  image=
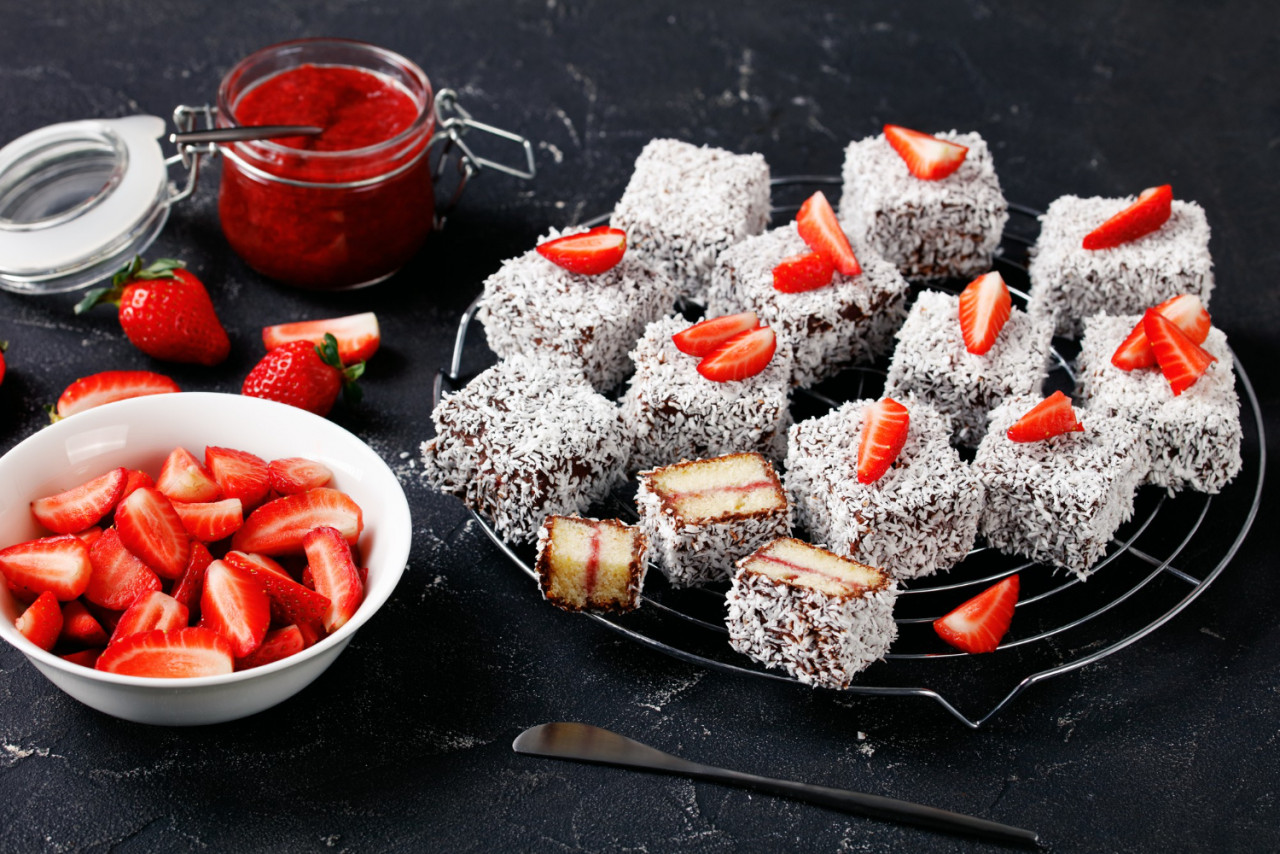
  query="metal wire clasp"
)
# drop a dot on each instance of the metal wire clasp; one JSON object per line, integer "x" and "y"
{"x": 190, "y": 156}
{"x": 453, "y": 123}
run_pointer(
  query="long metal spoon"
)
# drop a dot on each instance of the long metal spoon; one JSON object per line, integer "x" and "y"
{"x": 243, "y": 133}
{"x": 586, "y": 743}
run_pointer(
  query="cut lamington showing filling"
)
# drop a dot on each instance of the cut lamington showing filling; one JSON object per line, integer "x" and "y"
{"x": 929, "y": 229}
{"x": 821, "y": 617}
{"x": 920, "y": 517}
{"x": 1059, "y": 501}
{"x": 1071, "y": 283}
{"x": 675, "y": 413}
{"x": 526, "y": 439}
{"x": 590, "y": 321}
{"x": 931, "y": 361}
{"x": 701, "y": 516}
{"x": 590, "y": 564}
{"x": 1194, "y": 437}
{"x": 851, "y": 321}
{"x": 685, "y": 204}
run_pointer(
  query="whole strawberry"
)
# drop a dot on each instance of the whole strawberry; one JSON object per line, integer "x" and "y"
{"x": 308, "y": 376}
{"x": 165, "y": 311}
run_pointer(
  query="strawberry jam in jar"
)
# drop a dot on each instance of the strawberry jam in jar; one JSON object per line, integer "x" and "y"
{"x": 346, "y": 208}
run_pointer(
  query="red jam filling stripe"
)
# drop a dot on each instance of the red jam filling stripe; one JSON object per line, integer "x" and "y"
{"x": 746, "y": 487}
{"x": 593, "y": 562}
{"x": 843, "y": 582}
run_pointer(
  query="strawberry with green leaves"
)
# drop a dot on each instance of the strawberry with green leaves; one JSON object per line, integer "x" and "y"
{"x": 305, "y": 375}
{"x": 165, "y": 311}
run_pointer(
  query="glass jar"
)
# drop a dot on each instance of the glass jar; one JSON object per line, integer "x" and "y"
{"x": 327, "y": 219}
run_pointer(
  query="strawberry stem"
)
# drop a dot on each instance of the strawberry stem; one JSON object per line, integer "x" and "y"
{"x": 161, "y": 268}
{"x": 327, "y": 350}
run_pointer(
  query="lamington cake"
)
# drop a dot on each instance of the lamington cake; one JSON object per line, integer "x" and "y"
{"x": 590, "y": 564}
{"x": 523, "y": 440}
{"x": 686, "y": 204}
{"x": 1194, "y": 437}
{"x": 703, "y": 515}
{"x": 929, "y": 229}
{"x": 1059, "y": 501}
{"x": 931, "y": 361}
{"x": 674, "y": 413}
{"x": 820, "y": 617}
{"x": 851, "y": 321}
{"x": 921, "y": 516}
{"x": 531, "y": 304}
{"x": 1071, "y": 283}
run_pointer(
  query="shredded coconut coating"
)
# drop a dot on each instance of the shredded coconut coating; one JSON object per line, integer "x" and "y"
{"x": 674, "y": 413}
{"x": 929, "y": 229}
{"x": 931, "y": 362}
{"x": 531, "y": 304}
{"x": 693, "y": 553}
{"x": 524, "y": 440}
{"x": 851, "y": 321}
{"x": 1194, "y": 437}
{"x": 1072, "y": 283}
{"x": 686, "y": 204}
{"x": 921, "y": 516}
{"x": 820, "y": 639}
{"x": 1059, "y": 501}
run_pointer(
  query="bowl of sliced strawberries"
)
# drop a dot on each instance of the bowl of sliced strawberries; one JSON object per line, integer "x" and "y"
{"x": 193, "y": 558}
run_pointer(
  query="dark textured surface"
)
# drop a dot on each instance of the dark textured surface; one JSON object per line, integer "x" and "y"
{"x": 404, "y": 744}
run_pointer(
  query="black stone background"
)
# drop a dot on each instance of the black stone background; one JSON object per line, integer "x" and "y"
{"x": 404, "y": 745}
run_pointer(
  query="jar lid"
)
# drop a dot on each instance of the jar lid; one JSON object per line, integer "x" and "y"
{"x": 78, "y": 200}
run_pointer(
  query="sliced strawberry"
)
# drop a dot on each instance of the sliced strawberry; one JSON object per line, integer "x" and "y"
{"x": 358, "y": 335}
{"x": 979, "y": 624}
{"x": 278, "y": 644}
{"x": 926, "y": 156}
{"x": 884, "y": 432}
{"x": 291, "y": 602}
{"x": 235, "y": 606}
{"x": 1148, "y": 213}
{"x": 150, "y": 611}
{"x": 188, "y": 588}
{"x": 151, "y": 529}
{"x": 804, "y": 272}
{"x": 211, "y": 521}
{"x": 985, "y": 306}
{"x": 1181, "y": 360}
{"x": 278, "y": 526}
{"x": 109, "y": 386}
{"x": 89, "y": 536}
{"x": 703, "y": 339}
{"x": 740, "y": 357}
{"x": 589, "y": 253}
{"x": 108, "y": 618}
{"x": 118, "y": 576}
{"x": 1187, "y": 313}
{"x": 312, "y": 633}
{"x": 820, "y": 229}
{"x": 184, "y": 478}
{"x": 257, "y": 563}
{"x": 85, "y": 657}
{"x": 136, "y": 480}
{"x": 239, "y": 474}
{"x": 81, "y": 506}
{"x": 59, "y": 565}
{"x": 41, "y": 623}
{"x": 81, "y": 628}
{"x": 1052, "y": 416}
{"x": 179, "y": 653}
{"x": 334, "y": 573}
{"x": 291, "y": 475}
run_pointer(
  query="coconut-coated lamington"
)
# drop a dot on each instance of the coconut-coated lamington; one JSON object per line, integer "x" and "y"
{"x": 1061, "y": 500}
{"x": 929, "y": 229}
{"x": 921, "y": 516}
{"x": 523, "y": 440}
{"x": 685, "y": 204}
{"x": 851, "y": 321}
{"x": 674, "y": 413}
{"x": 591, "y": 564}
{"x": 821, "y": 617}
{"x": 703, "y": 515}
{"x": 931, "y": 361}
{"x": 1194, "y": 437}
{"x": 1071, "y": 283}
{"x": 531, "y": 304}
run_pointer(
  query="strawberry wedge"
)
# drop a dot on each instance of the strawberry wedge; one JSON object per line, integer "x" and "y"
{"x": 41, "y": 623}
{"x": 118, "y": 576}
{"x": 213, "y": 521}
{"x": 151, "y": 529}
{"x": 179, "y": 653}
{"x": 927, "y": 157}
{"x": 110, "y": 386}
{"x": 290, "y": 601}
{"x": 235, "y": 606}
{"x": 184, "y": 478}
{"x": 334, "y": 573}
{"x": 981, "y": 623}
{"x": 820, "y": 229}
{"x": 59, "y": 565}
{"x": 985, "y": 306}
{"x": 150, "y": 611}
{"x": 1152, "y": 210}
{"x": 291, "y": 475}
{"x": 705, "y": 337}
{"x": 81, "y": 628}
{"x": 82, "y": 506}
{"x": 358, "y": 335}
{"x": 278, "y": 644}
{"x": 239, "y": 474}
{"x": 1187, "y": 313}
{"x": 1051, "y": 417}
{"x": 1181, "y": 360}
{"x": 278, "y": 527}
{"x": 884, "y": 431}
{"x": 739, "y": 358}
{"x": 588, "y": 253}
{"x": 190, "y": 584}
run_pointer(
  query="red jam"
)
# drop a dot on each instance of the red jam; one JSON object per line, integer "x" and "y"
{"x": 349, "y": 206}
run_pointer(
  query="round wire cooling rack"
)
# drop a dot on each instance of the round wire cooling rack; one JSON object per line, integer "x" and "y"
{"x": 1157, "y": 564}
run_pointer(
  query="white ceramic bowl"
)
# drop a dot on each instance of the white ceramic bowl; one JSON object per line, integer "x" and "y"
{"x": 140, "y": 433}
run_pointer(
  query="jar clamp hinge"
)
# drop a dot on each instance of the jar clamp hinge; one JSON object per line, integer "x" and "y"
{"x": 191, "y": 155}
